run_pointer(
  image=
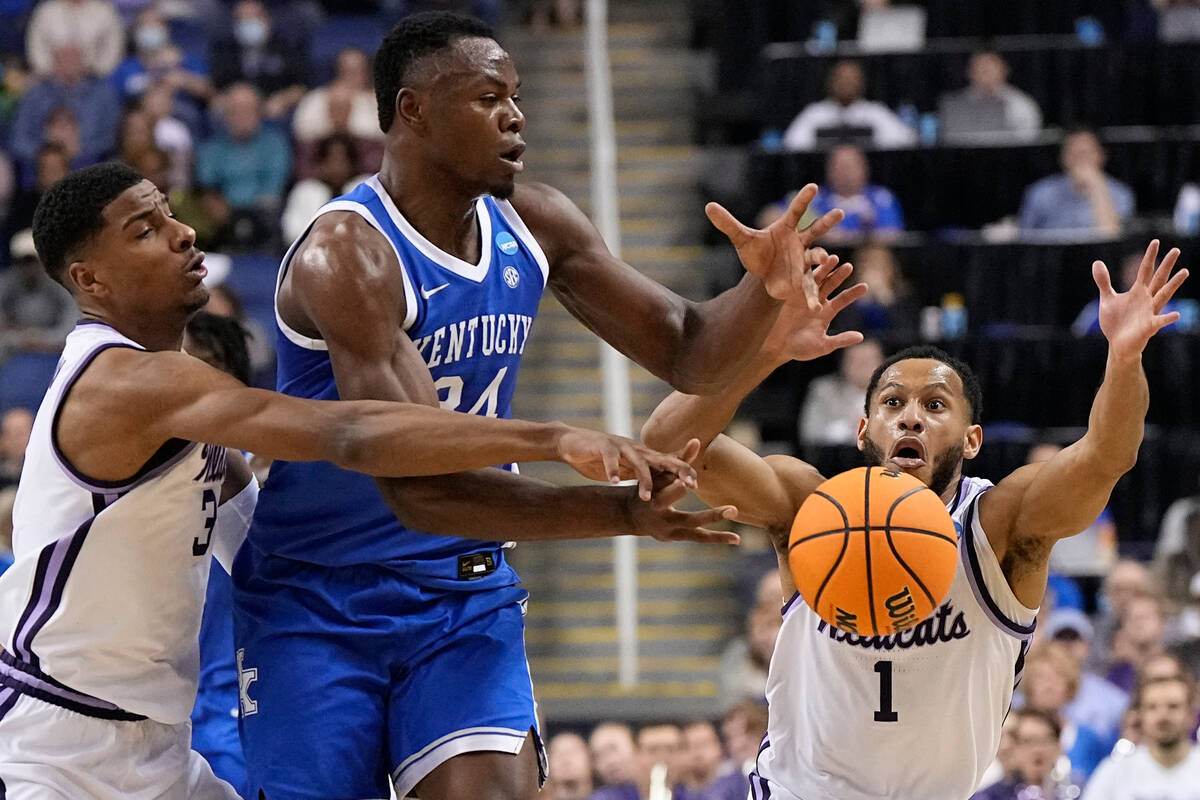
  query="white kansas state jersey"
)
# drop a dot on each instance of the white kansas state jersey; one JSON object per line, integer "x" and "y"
{"x": 100, "y": 613}
{"x": 912, "y": 715}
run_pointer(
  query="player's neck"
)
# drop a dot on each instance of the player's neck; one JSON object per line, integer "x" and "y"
{"x": 441, "y": 211}
{"x": 142, "y": 331}
{"x": 1170, "y": 755}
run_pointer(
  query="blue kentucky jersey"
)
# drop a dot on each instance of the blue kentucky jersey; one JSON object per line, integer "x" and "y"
{"x": 470, "y": 323}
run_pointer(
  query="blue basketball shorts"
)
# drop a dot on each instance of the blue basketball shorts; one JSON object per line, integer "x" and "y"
{"x": 215, "y": 736}
{"x": 354, "y": 676}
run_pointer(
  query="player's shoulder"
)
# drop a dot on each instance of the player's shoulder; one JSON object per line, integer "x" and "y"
{"x": 560, "y": 228}
{"x": 343, "y": 241}
{"x": 536, "y": 201}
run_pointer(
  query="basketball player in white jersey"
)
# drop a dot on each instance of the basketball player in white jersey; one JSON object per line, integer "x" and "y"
{"x": 918, "y": 714}
{"x": 127, "y": 489}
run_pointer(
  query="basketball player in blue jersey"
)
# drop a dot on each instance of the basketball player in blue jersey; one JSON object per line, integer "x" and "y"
{"x": 127, "y": 492}
{"x": 385, "y": 640}
{"x": 918, "y": 714}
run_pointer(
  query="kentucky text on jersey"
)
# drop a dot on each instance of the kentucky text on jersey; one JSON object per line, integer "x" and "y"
{"x": 497, "y": 333}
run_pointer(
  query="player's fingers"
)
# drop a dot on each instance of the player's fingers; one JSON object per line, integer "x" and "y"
{"x": 796, "y": 208}
{"x": 1163, "y": 320}
{"x": 1146, "y": 268}
{"x": 827, "y": 222}
{"x": 709, "y": 516}
{"x": 669, "y": 495}
{"x": 1164, "y": 270}
{"x": 635, "y": 460}
{"x": 610, "y": 457}
{"x": 835, "y": 278}
{"x": 815, "y": 257}
{"x": 1100, "y": 275}
{"x": 706, "y": 536}
{"x": 726, "y": 223}
{"x": 690, "y": 451}
{"x": 844, "y": 339}
{"x": 844, "y": 299}
{"x": 1164, "y": 295}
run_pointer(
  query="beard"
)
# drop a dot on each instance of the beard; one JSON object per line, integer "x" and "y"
{"x": 945, "y": 465}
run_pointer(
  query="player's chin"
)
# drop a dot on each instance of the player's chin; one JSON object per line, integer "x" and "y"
{"x": 196, "y": 299}
{"x": 503, "y": 188}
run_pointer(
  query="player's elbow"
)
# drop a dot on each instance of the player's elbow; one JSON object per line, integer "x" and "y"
{"x": 349, "y": 444}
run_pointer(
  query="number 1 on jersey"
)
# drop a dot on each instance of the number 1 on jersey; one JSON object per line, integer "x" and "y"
{"x": 885, "y": 712}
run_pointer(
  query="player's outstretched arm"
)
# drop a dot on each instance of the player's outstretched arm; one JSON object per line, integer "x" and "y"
{"x": 1041, "y": 503}
{"x": 695, "y": 347}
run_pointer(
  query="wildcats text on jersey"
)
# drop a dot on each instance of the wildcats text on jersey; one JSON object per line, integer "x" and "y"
{"x": 493, "y": 333}
{"x": 937, "y": 628}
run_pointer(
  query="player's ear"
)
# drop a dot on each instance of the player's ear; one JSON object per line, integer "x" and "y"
{"x": 973, "y": 441}
{"x": 409, "y": 107}
{"x": 862, "y": 433}
{"x": 82, "y": 276}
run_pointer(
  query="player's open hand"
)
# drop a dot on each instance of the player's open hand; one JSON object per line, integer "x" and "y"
{"x": 778, "y": 254}
{"x": 801, "y": 332}
{"x": 1128, "y": 319}
{"x": 661, "y": 520}
{"x": 608, "y": 458}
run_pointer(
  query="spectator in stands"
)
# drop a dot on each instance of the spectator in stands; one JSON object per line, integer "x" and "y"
{"x": 156, "y": 59}
{"x": 256, "y": 54}
{"x": 1036, "y": 754}
{"x": 745, "y": 660}
{"x": 90, "y": 26}
{"x": 1187, "y": 210}
{"x": 844, "y": 113}
{"x": 337, "y": 158}
{"x": 1097, "y": 704}
{"x": 14, "y": 81}
{"x": 834, "y": 403}
{"x": 91, "y": 100}
{"x": 247, "y": 167}
{"x": 321, "y": 113}
{"x": 990, "y": 107}
{"x": 1167, "y": 764}
{"x": 1087, "y": 323}
{"x": 570, "y": 768}
{"x": 613, "y": 753}
{"x": 1178, "y": 20}
{"x": 706, "y": 775}
{"x": 887, "y": 310}
{"x": 8, "y": 187}
{"x": 36, "y": 312}
{"x": 170, "y": 134}
{"x": 15, "y": 426}
{"x": 1090, "y": 553}
{"x": 7, "y": 497}
{"x": 1051, "y": 682}
{"x": 742, "y": 730}
{"x": 1125, "y": 581}
{"x": 657, "y": 764}
{"x": 870, "y": 209}
{"x": 1177, "y": 552}
{"x": 1082, "y": 198}
{"x": 51, "y": 165}
{"x": 1140, "y": 637}
{"x": 1004, "y": 766}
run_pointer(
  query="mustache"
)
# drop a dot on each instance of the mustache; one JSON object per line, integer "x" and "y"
{"x": 946, "y": 464}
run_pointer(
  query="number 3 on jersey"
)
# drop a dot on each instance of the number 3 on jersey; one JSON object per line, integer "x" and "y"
{"x": 453, "y": 401}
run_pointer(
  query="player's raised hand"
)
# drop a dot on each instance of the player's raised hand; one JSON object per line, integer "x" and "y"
{"x": 661, "y": 520}
{"x": 778, "y": 254}
{"x": 1128, "y": 319}
{"x": 608, "y": 458}
{"x": 801, "y": 332}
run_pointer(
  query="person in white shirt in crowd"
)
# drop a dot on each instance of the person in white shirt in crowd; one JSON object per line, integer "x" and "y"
{"x": 1177, "y": 552}
{"x": 1126, "y": 580}
{"x": 845, "y": 108}
{"x": 832, "y": 407}
{"x": 92, "y": 25}
{"x": 989, "y": 108}
{"x": 313, "y": 120}
{"x": 336, "y": 159}
{"x": 1166, "y": 766}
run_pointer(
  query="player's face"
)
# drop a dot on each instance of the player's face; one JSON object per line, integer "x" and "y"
{"x": 920, "y": 423}
{"x": 1166, "y": 715}
{"x": 144, "y": 262}
{"x": 474, "y": 122}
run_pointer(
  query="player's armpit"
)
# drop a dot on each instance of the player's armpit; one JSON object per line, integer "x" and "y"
{"x": 767, "y": 491}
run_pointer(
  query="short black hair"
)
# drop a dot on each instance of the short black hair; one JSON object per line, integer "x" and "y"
{"x": 415, "y": 37}
{"x": 970, "y": 382}
{"x": 225, "y": 338}
{"x": 69, "y": 213}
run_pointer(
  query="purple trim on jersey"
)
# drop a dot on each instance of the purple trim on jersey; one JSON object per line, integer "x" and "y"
{"x": 32, "y": 682}
{"x": 791, "y": 601}
{"x": 958, "y": 495}
{"x": 8, "y": 699}
{"x": 983, "y": 596}
{"x": 45, "y": 602}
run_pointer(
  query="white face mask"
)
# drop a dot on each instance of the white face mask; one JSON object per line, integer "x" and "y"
{"x": 151, "y": 37}
{"x": 251, "y": 32}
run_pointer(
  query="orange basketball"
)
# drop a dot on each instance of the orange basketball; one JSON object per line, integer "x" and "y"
{"x": 872, "y": 551}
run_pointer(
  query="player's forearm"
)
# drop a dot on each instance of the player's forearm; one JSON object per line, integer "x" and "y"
{"x": 1118, "y": 417}
{"x": 407, "y": 440}
{"x": 720, "y": 336}
{"x": 681, "y": 417}
{"x": 496, "y": 505}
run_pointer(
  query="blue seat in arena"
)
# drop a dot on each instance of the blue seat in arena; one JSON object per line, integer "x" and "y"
{"x": 338, "y": 33}
{"x": 24, "y": 379}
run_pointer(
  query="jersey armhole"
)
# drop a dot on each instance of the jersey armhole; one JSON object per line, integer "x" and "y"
{"x": 410, "y": 297}
{"x": 988, "y": 584}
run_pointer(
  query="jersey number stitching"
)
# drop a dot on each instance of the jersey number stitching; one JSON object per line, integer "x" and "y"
{"x": 885, "y": 712}
{"x": 200, "y": 548}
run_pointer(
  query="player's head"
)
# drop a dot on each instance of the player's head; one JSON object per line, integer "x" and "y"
{"x": 448, "y": 91}
{"x": 1166, "y": 708}
{"x": 219, "y": 342}
{"x": 105, "y": 232}
{"x": 1081, "y": 149}
{"x": 923, "y": 409}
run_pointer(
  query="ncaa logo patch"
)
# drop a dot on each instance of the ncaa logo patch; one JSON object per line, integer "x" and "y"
{"x": 512, "y": 277}
{"x": 506, "y": 243}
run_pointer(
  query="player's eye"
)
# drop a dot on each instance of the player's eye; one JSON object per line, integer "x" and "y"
{"x": 936, "y": 405}
{"x": 516, "y": 98}
{"x": 891, "y": 401}
{"x": 145, "y": 234}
